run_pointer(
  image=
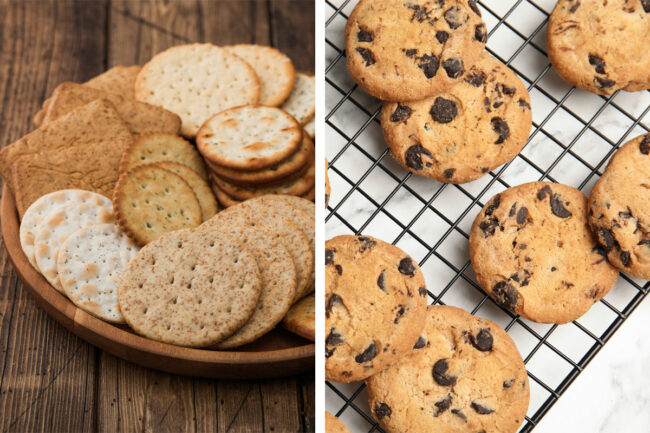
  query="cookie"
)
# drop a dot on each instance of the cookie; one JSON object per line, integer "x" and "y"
{"x": 224, "y": 199}
{"x": 533, "y": 252}
{"x": 463, "y": 375}
{"x": 90, "y": 263}
{"x": 54, "y": 229}
{"x": 407, "y": 51}
{"x": 618, "y": 208}
{"x": 196, "y": 81}
{"x": 190, "y": 288}
{"x": 301, "y": 318}
{"x": 334, "y": 424}
{"x": 48, "y": 204}
{"x": 601, "y": 46}
{"x": 465, "y": 131}
{"x": 200, "y": 187}
{"x": 375, "y": 306}
{"x": 301, "y": 103}
{"x": 328, "y": 188}
{"x": 150, "y": 201}
{"x": 274, "y": 70}
{"x": 249, "y": 138}
{"x": 157, "y": 147}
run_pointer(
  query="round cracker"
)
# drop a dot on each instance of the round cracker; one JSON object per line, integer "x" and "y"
{"x": 224, "y": 199}
{"x": 90, "y": 263}
{"x": 195, "y": 81}
{"x": 200, "y": 187}
{"x": 301, "y": 103}
{"x": 310, "y": 127}
{"x": 301, "y": 318}
{"x": 301, "y": 203}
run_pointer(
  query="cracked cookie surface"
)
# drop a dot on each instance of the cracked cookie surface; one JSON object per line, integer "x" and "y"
{"x": 375, "y": 303}
{"x": 464, "y": 375}
{"x": 533, "y": 252}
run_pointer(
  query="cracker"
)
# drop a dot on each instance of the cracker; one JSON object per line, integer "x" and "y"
{"x": 224, "y": 199}
{"x": 277, "y": 271}
{"x": 140, "y": 117}
{"x": 310, "y": 195}
{"x": 155, "y": 147}
{"x": 190, "y": 288}
{"x": 310, "y": 127}
{"x": 249, "y": 138}
{"x": 47, "y": 204}
{"x": 90, "y": 263}
{"x": 55, "y": 229}
{"x": 150, "y": 201}
{"x": 301, "y": 203}
{"x": 196, "y": 81}
{"x": 301, "y": 318}
{"x": 197, "y": 183}
{"x": 274, "y": 69}
{"x": 301, "y": 103}
{"x": 119, "y": 80}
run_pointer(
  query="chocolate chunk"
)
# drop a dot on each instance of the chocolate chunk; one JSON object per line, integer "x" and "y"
{"x": 429, "y": 65}
{"x": 605, "y": 83}
{"x": 574, "y": 7}
{"x": 598, "y": 63}
{"x": 513, "y": 210}
{"x": 644, "y": 242}
{"x": 329, "y": 352}
{"x": 406, "y": 267}
{"x": 493, "y": 205}
{"x": 497, "y": 104}
{"x": 475, "y": 78}
{"x": 557, "y": 207}
{"x": 524, "y": 104}
{"x": 509, "y": 91}
{"x": 453, "y": 67}
{"x": 459, "y": 414}
{"x": 508, "y": 383}
{"x": 541, "y": 195}
{"x": 410, "y": 52}
{"x": 364, "y": 36}
{"x": 366, "y": 54}
{"x": 501, "y": 128}
{"x": 505, "y": 295}
{"x": 333, "y": 299}
{"x": 334, "y": 338}
{"x": 474, "y": 7}
{"x": 482, "y": 341}
{"x": 402, "y": 112}
{"x": 449, "y": 173}
{"x": 329, "y": 257}
{"x": 644, "y": 147}
{"x": 422, "y": 291}
{"x": 440, "y": 373}
{"x": 480, "y": 33}
{"x": 382, "y": 411}
{"x": 400, "y": 312}
{"x": 646, "y": 5}
{"x": 420, "y": 343}
{"x": 443, "y": 110}
{"x": 421, "y": 15}
{"x": 442, "y": 405}
{"x": 381, "y": 281}
{"x": 625, "y": 258}
{"x": 523, "y": 246}
{"x": 480, "y": 409}
{"x": 366, "y": 243}
{"x": 367, "y": 355}
{"x": 442, "y": 36}
{"x": 488, "y": 226}
{"x": 521, "y": 215}
{"x": 452, "y": 17}
{"x": 339, "y": 269}
{"x": 413, "y": 157}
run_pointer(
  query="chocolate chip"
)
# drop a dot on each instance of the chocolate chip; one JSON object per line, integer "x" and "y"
{"x": 646, "y": 5}
{"x": 440, "y": 373}
{"x": 513, "y": 210}
{"x": 488, "y": 226}
{"x": 442, "y": 405}
{"x": 429, "y": 65}
{"x": 480, "y": 409}
{"x": 625, "y": 257}
{"x": 497, "y": 104}
{"x": 508, "y": 383}
{"x": 606, "y": 238}
{"x": 483, "y": 340}
{"x": 366, "y": 243}
{"x": 381, "y": 281}
{"x": 509, "y": 91}
{"x": 406, "y": 267}
{"x": 443, "y": 110}
{"x": 339, "y": 269}
{"x": 382, "y": 411}
{"x": 541, "y": 195}
{"x": 524, "y": 104}
{"x": 402, "y": 112}
{"x": 452, "y": 17}
{"x": 364, "y": 36}
{"x": 421, "y": 15}
{"x": 475, "y": 78}
{"x": 576, "y": 6}
{"x": 366, "y": 54}
{"x": 422, "y": 292}
{"x": 474, "y": 7}
{"x": 329, "y": 352}
{"x": 329, "y": 257}
{"x": 644, "y": 242}
{"x": 480, "y": 33}
{"x": 605, "y": 83}
{"x": 420, "y": 343}
{"x": 453, "y": 67}
{"x": 521, "y": 215}
{"x": 644, "y": 147}
{"x": 505, "y": 295}
{"x": 449, "y": 173}
{"x": 334, "y": 338}
{"x": 557, "y": 207}
{"x": 333, "y": 299}
{"x": 410, "y": 52}
{"x": 493, "y": 205}
{"x": 400, "y": 313}
{"x": 413, "y": 157}
{"x": 523, "y": 246}
{"x": 501, "y": 128}
{"x": 442, "y": 36}
{"x": 598, "y": 63}
{"x": 367, "y": 355}
{"x": 459, "y": 414}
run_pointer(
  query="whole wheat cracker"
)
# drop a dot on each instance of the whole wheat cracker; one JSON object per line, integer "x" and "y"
{"x": 301, "y": 103}
{"x": 200, "y": 187}
{"x": 301, "y": 318}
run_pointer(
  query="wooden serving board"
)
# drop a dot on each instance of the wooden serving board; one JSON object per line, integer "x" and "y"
{"x": 278, "y": 353}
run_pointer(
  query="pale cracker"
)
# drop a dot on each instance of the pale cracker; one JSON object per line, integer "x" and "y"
{"x": 301, "y": 103}
{"x": 200, "y": 187}
{"x": 301, "y": 318}
{"x": 310, "y": 127}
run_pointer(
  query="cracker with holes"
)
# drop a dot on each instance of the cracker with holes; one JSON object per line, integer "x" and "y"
{"x": 197, "y": 183}
{"x": 90, "y": 263}
{"x": 301, "y": 318}
{"x": 310, "y": 128}
{"x": 196, "y": 81}
{"x": 301, "y": 103}
{"x": 150, "y": 201}
{"x": 249, "y": 137}
{"x": 54, "y": 229}
{"x": 190, "y": 288}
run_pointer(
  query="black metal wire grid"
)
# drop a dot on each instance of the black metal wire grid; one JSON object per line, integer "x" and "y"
{"x": 559, "y": 353}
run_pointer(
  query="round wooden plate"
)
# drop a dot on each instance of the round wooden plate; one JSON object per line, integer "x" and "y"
{"x": 278, "y": 353}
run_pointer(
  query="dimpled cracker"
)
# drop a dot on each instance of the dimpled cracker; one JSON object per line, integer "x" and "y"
{"x": 55, "y": 229}
{"x": 190, "y": 288}
{"x": 533, "y": 252}
{"x": 375, "y": 306}
{"x": 156, "y": 147}
{"x": 277, "y": 272}
{"x": 464, "y": 375}
{"x": 48, "y": 204}
{"x": 408, "y": 50}
{"x": 301, "y": 318}
{"x": 196, "y": 81}
{"x": 301, "y": 103}
{"x": 273, "y": 68}
{"x": 197, "y": 183}
{"x": 90, "y": 264}
{"x": 467, "y": 130}
{"x": 150, "y": 201}
{"x": 251, "y": 137}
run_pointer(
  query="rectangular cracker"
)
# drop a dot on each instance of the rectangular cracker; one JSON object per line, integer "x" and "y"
{"x": 139, "y": 116}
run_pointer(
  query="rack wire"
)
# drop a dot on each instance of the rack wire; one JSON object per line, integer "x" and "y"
{"x": 573, "y": 136}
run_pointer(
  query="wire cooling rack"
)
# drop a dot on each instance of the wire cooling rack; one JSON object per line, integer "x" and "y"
{"x": 573, "y": 136}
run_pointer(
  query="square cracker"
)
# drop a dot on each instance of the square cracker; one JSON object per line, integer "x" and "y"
{"x": 139, "y": 116}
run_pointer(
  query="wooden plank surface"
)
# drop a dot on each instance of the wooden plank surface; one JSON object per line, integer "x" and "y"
{"x": 51, "y": 380}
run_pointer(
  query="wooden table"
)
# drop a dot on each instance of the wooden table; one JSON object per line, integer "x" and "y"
{"x": 51, "y": 380}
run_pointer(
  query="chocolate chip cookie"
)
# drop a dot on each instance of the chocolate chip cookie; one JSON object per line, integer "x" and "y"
{"x": 464, "y": 375}
{"x": 533, "y": 252}
{"x": 375, "y": 303}
{"x": 619, "y": 210}
{"x": 468, "y": 129}
{"x": 407, "y": 50}
{"x": 601, "y": 46}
